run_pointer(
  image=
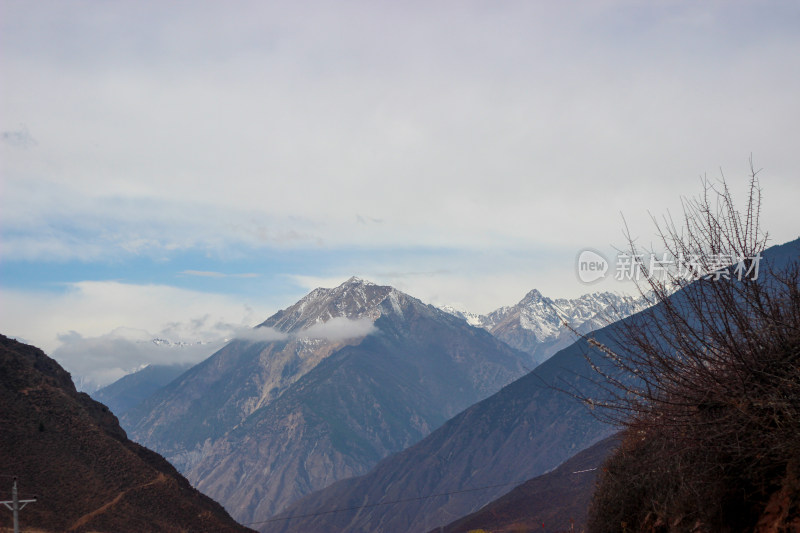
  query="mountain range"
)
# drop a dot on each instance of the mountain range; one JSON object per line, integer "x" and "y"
{"x": 537, "y": 325}
{"x": 540, "y": 326}
{"x": 525, "y": 430}
{"x": 359, "y": 408}
{"x": 319, "y": 392}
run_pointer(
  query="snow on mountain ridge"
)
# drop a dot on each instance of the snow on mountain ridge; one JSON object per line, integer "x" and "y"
{"x": 471, "y": 318}
{"x": 158, "y": 341}
{"x": 537, "y": 319}
{"x": 355, "y": 299}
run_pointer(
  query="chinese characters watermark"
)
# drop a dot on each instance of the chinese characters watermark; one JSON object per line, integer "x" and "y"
{"x": 592, "y": 266}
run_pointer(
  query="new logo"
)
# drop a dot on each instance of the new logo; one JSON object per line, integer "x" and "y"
{"x": 591, "y": 266}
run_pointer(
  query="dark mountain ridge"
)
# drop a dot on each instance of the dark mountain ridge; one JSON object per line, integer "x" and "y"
{"x": 70, "y": 451}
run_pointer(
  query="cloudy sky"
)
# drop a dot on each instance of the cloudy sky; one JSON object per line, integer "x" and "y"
{"x": 184, "y": 169}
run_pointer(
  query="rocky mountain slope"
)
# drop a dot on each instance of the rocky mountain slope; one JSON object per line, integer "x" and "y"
{"x": 526, "y": 429}
{"x": 70, "y": 451}
{"x": 320, "y": 391}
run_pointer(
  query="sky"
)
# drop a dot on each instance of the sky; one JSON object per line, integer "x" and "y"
{"x": 186, "y": 169}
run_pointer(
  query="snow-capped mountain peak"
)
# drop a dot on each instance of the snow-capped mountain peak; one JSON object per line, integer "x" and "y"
{"x": 355, "y": 299}
{"x": 540, "y": 325}
{"x": 534, "y": 296}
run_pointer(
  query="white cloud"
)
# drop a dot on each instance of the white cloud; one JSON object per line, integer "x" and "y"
{"x": 97, "y": 361}
{"x": 96, "y": 328}
{"x": 339, "y": 328}
{"x": 502, "y": 128}
{"x": 506, "y": 128}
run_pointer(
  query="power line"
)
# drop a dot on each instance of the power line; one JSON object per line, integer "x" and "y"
{"x": 359, "y": 507}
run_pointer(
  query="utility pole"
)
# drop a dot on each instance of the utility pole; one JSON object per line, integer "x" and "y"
{"x": 14, "y": 504}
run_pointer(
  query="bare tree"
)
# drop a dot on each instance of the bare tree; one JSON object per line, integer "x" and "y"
{"x": 707, "y": 382}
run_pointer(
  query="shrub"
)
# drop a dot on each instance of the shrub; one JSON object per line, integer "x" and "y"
{"x": 706, "y": 384}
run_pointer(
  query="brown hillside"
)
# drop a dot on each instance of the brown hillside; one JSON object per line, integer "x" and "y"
{"x": 69, "y": 450}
